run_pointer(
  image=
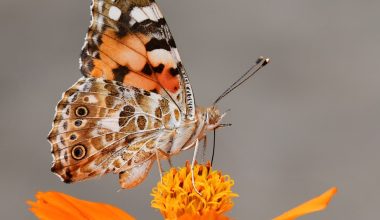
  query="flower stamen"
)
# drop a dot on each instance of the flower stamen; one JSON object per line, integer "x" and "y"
{"x": 177, "y": 195}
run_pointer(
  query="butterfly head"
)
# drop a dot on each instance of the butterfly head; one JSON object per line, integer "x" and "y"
{"x": 213, "y": 118}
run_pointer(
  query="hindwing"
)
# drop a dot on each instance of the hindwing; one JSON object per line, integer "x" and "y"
{"x": 102, "y": 126}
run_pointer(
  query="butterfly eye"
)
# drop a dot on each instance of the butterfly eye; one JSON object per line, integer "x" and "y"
{"x": 78, "y": 152}
{"x": 81, "y": 111}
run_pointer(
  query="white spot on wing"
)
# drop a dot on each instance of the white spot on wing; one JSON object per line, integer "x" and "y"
{"x": 92, "y": 99}
{"x": 160, "y": 56}
{"x": 176, "y": 54}
{"x": 114, "y": 13}
{"x": 138, "y": 14}
{"x": 59, "y": 143}
{"x": 150, "y": 13}
{"x": 132, "y": 22}
{"x": 157, "y": 10}
{"x": 100, "y": 6}
{"x": 110, "y": 123}
{"x": 100, "y": 22}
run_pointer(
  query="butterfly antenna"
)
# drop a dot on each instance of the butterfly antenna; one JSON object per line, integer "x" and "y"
{"x": 260, "y": 63}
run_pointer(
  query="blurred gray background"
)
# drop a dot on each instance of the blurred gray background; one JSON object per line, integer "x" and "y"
{"x": 308, "y": 121}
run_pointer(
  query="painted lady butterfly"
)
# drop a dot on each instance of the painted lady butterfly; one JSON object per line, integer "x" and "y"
{"x": 134, "y": 105}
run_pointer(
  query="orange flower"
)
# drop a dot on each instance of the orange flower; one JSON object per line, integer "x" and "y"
{"x": 58, "y": 206}
{"x": 175, "y": 195}
{"x": 317, "y": 204}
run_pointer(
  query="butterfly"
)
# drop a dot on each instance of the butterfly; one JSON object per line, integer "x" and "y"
{"x": 134, "y": 105}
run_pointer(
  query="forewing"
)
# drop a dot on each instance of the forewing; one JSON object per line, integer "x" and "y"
{"x": 129, "y": 41}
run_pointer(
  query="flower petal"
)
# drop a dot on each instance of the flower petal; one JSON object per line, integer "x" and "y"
{"x": 59, "y": 206}
{"x": 317, "y": 204}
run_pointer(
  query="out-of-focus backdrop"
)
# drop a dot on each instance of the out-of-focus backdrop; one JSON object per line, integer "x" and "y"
{"x": 308, "y": 121}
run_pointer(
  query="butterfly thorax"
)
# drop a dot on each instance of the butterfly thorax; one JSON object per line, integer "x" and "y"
{"x": 209, "y": 118}
{"x": 191, "y": 131}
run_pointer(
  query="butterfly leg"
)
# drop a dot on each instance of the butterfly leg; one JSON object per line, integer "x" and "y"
{"x": 170, "y": 162}
{"x": 159, "y": 164}
{"x": 204, "y": 149}
{"x": 166, "y": 156}
{"x": 192, "y": 166}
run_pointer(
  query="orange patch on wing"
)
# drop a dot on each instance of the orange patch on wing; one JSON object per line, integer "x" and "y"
{"x": 139, "y": 81}
{"x": 130, "y": 51}
{"x": 96, "y": 73}
{"x": 135, "y": 43}
{"x": 168, "y": 81}
{"x": 143, "y": 38}
{"x": 125, "y": 52}
{"x": 106, "y": 71}
{"x": 108, "y": 61}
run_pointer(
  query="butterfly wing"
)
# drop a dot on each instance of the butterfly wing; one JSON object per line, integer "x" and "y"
{"x": 134, "y": 176}
{"x": 129, "y": 41}
{"x": 102, "y": 126}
